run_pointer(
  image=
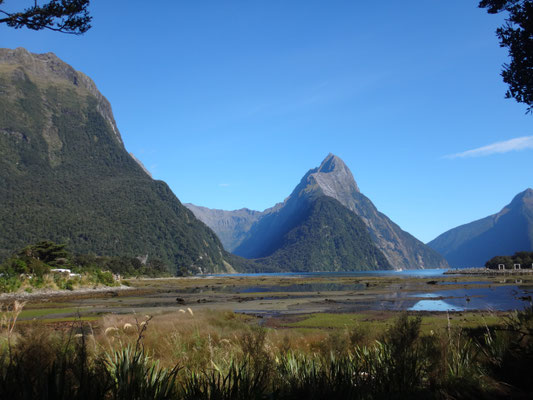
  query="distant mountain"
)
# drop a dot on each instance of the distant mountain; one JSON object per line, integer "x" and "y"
{"x": 66, "y": 176}
{"x": 320, "y": 234}
{"x": 230, "y": 226}
{"x": 334, "y": 179}
{"x": 331, "y": 179}
{"x": 504, "y": 233}
{"x": 308, "y": 233}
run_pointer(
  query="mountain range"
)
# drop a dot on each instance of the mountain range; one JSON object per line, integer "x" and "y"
{"x": 265, "y": 235}
{"x": 503, "y": 233}
{"x": 65, "y": 174}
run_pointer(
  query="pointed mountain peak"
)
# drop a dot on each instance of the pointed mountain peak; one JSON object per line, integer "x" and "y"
{"x": 332, "y": 178}
{"x": 332, "y": 163}
{"x": 334, "y": 172}
{"x": 523, "y": 197}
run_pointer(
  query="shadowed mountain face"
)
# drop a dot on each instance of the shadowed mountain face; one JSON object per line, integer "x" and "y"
{"x": 320, "y": 234}
{"x": 314, "y": 233}
{"x": 66, "y": 176}
{"x": 333, "y": 179}
{"x": 504, "y": 233}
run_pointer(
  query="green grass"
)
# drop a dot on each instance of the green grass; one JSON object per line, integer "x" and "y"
{"x": 43, "y": 312}
{"x": 86, "y": 318}
{"x": 375, "y": 322}
{"x": 326, "y": 320}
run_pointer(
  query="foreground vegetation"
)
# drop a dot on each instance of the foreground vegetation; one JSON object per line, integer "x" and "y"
{"x": 224, "y": 355}
{"x": 49, "y": 265}
{"x": 524, "y": 258}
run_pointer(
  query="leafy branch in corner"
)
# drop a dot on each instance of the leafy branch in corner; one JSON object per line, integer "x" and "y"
{"x": 65, "y": 16}
{"x": 517, "y": 36}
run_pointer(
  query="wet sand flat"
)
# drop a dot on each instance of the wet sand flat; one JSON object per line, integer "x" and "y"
{"x": 284, "y": 296}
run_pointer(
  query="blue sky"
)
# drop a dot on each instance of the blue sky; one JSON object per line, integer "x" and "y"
{"x": 231, "y": 102}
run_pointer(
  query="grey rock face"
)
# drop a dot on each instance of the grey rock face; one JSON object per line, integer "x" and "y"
{"x": 230, "y": 226}
{"x": 333, "y": 179}
{"x": 503, "y": 233}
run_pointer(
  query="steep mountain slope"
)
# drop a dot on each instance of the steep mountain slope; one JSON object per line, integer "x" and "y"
{"x": 504, "y": 233}
{"x": 230, "y": 226}
{"x": 333, "y": 179}
{"x": 66, "y": 176}
{"x": 322, "y": 235}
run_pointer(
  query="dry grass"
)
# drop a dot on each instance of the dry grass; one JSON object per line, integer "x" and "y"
{"x": 211, "y": 354}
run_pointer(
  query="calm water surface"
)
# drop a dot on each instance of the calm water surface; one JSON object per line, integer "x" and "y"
{"x": 407, "y": 273}
{"x": 500, "y": 298}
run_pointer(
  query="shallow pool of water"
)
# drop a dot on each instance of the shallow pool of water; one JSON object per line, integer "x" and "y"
{"x": 499, "y": 298}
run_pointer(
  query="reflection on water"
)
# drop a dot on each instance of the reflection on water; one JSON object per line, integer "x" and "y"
{"x": 434, "y": 305}
{"x": 406, "y": 273}
{"x": 501, "y": 298}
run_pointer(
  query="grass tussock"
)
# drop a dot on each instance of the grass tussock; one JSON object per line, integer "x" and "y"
{"x": 217, "y": 355}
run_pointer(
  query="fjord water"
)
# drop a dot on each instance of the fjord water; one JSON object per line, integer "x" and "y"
{"x": 421, "y": 273}
{"x": 500, "y": 298}
{"x": 472, "y": 295}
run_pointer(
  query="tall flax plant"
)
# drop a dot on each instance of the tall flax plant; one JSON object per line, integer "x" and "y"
{"x": 136, "y": 376}
{"x": 402, "y": 364}
{"x": 404, "y": 361}
{"x": 242, "y": 381}
{"x": 245, "y": 377}
{"x": 318, "y": 377}
{"x": 508, "y": 351}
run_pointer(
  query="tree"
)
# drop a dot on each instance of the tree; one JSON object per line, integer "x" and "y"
{"x": 45, "y": 251}
{"x": 66, "y": 16}
{"x": 517, "y": 36}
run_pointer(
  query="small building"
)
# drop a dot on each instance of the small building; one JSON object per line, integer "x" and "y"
{"x": 517, "y": 266}
{"x": 60, "y": 271}
{"x": 501, "y": 266}
{"x": 64, "y": 271}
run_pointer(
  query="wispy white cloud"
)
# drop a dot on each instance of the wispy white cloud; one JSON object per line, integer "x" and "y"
{"x": 521, "y": 143}
{"x": 223, "y": 184}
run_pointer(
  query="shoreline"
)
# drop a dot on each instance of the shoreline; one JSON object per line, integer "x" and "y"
{"x": 488, "y": 271}
{"x": 50, "y": 293}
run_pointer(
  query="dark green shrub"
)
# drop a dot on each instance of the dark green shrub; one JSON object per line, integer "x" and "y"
{"x": 9, "y": 284}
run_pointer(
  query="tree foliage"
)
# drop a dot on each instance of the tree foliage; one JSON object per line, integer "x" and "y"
{"x": 65, "y": 176}
{"x": 524, "y": 258}
{"x": 39, "y": 258}
{"x": 66, "y": 16}
{"x": 517, "y": 36}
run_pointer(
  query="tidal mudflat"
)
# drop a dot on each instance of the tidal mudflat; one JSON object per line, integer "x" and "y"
{"x": 285, "y": 300}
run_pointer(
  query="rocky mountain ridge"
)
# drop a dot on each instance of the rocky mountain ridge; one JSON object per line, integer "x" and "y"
{"x": 334, "y": 179}
{"x": 230, "y": 226}
{"x": 504, "y": 233}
